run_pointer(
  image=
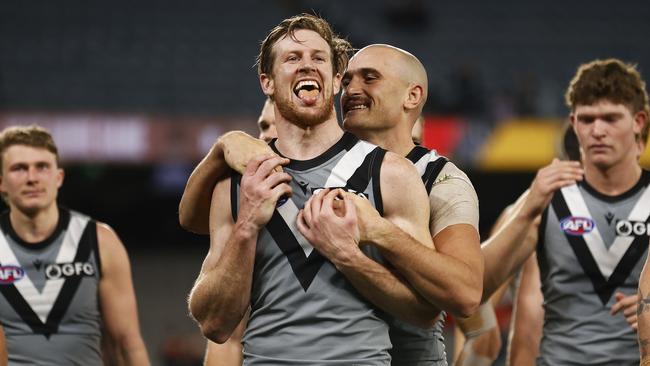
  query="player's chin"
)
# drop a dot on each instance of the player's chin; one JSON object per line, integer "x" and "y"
{"x": 354, "y": 124}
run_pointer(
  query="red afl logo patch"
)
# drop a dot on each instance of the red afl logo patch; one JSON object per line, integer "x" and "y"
{"x": 10, "y": 274}
{"x": 574, "y": 225}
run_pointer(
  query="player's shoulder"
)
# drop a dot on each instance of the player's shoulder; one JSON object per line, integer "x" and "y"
{"x": 106, "y": 235}
{"x": 451, "y": 173}
{"x": 396, "y": 164}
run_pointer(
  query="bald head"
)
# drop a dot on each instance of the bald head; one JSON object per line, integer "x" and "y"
{"x": 384, "y": 90}
{"x": 407, "y": 67}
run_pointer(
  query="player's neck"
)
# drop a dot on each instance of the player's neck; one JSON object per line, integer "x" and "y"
{"x": 394, "y": 140}
{"x": 614, "y": 180}
{"x": 304, "y": 143}
{"x": 36, "y": 227}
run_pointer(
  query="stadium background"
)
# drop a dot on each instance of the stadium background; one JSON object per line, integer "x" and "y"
{"x": 136, "y": 92}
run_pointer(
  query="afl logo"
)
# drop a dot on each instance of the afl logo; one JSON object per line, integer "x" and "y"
{"x": 10, "y": 274}
{"x": 576, "y": 226}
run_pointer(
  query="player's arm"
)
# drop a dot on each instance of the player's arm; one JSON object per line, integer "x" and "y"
{"x": 221, "y": 294}
{"x": 528, "y": 317}
{"x": 229, "y": 353}
{"x": 232, "y": 150}
{"x": 117, "y": 299}
{"x": 449, "y": 275}
{"x": 3, "y": 348}
{"x": 337, "y": 238}
{"x": 508, "y": 249}
{"x": 643, "y": 314}
{"x": 478, "y": 337}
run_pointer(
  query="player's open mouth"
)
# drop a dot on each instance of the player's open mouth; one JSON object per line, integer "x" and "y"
{"x": 307, "y": 91}
{"x": 354, "y": 105}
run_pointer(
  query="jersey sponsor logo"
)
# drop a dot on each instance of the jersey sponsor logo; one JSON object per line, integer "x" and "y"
{"x": 577, "y": 226}
{"x": 11, "y": 274}
{"x": 632, "y": 228}
{"x": 66, "y": 270}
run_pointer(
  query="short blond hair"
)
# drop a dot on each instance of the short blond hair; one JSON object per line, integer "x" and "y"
{"x": 340, "y": 48}
{"x": 33, "y": 136}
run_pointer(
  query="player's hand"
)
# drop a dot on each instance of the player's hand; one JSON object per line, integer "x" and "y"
{"x": 261, "y": 187}
{"x": 239, "y": 148}
{"x": 332, "y": 231}
{"x": 548, "y": 180}
{"x": 628, "y": 305}
{"x": 368, "y": 218}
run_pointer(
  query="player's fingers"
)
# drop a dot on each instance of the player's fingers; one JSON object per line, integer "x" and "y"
{"x": 306, "y": 212}
{"x": 348, "y": 199}
{"x": 281, "y": 190}
{"x": 618, "y": 306}
{"x": 317, "y": 202}
{"x": 630, "y": 311}
{"x": 255, "y": 163}
{"x": 301, "y": 223}
{"x": 328, "y": 201}
{"x": 277, "y": 178}
{"x": 268, "y": 165}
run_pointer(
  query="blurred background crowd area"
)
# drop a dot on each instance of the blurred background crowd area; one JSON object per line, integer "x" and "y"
{"x": 136, "y": 92}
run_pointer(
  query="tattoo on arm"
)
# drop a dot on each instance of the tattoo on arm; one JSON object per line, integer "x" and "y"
{"x": 643, "y": 345}
{"x": 643, "y": 304}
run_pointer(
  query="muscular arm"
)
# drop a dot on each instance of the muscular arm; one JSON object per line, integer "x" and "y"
{"x": 232, "y": 150}
{"x": 117, "y": 299}
{"x": 508, "y": 249}
{"x": 643, "y": 314}
{"x": 528, "y": 317}
{"x": 221, "y": 294}
{"x": 229, "y": 353}
{"x": 194, "y": 208}
{"x": 511, "y": 245}
{"x": 406, "y": 222}
{"x": 477, "y": 339}
{"x": 337, "y": 239}
{"x": 449, "y": 276}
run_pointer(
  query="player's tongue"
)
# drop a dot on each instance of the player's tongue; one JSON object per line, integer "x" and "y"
{"x": 308, "y": 96}
{"x": 307, "y": 91}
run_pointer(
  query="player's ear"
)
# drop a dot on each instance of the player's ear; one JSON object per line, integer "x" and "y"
{"x": 640, "y": 121}
{"x": 267, "y": 84}
{"x": 414, "y": 96}
{"x": 60, "y": 174}
{"x": 572, "y": 120}
{"x": 337, "y": 83}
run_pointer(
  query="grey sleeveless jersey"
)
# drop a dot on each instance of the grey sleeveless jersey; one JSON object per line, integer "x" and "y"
{"x": 49, "y": 306}
{"x": 590, "y": 247}
{"x": 303, "y": 310}
{"x": 414, "y": 346}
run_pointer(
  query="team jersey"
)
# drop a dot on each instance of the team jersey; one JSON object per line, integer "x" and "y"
{"x": 591, "y": 246}
{"x": 303, "y": 310}
{"x": 49, "y": 306}
{"x": 413, "y": 345}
